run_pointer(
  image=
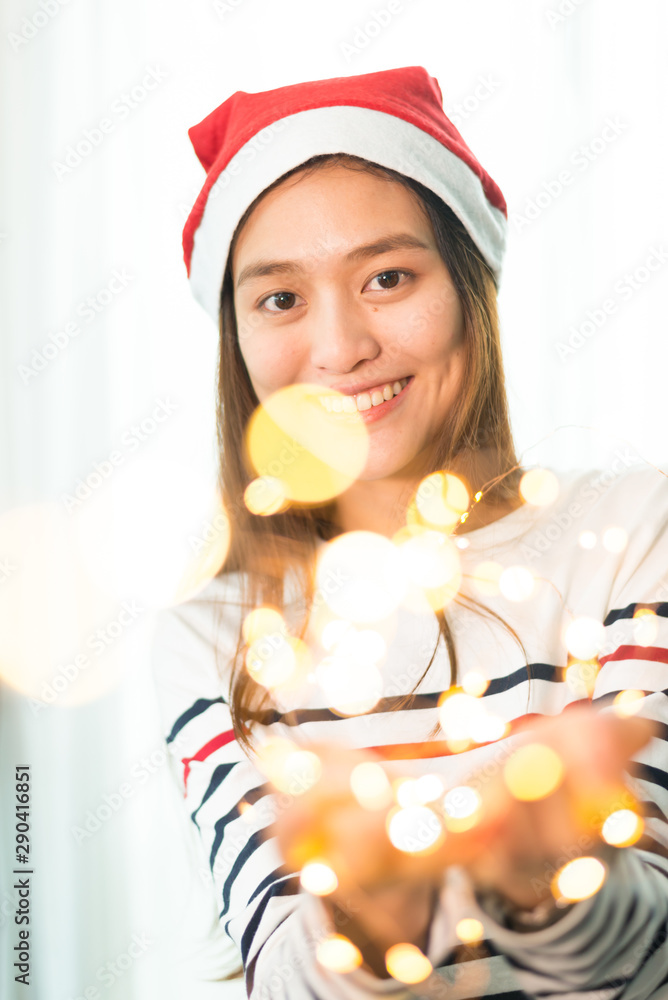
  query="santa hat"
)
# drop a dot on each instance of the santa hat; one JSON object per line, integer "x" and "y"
{"x": 394, "y": 118}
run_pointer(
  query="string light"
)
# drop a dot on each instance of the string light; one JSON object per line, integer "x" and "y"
{"x": 486, "y": 576}
{"x": 370, "y": 786}
{"x": 587, "y": 539}
{"x": 469, "y": 930}
{"x": 579, "y": 879}
{"x": 407, "y": 964}
{"x": 539, "y": 487}
{"x": 338, "y": 954}
{"x": 533, "y": 772}
{"x": 414, "y": 829}
{"x": 265, "y": 495}
{"x": 463, "y": 808}
{"x": 584, "y": 638}
{"x": 581, "y": 677}
{"x": 318, "y": 878}
{"x": 628, "y": 702}
{"x": 414, "y": 826}
{"x": 474, "y": 683}
{"x": 516, "y": 583}
{"x": 622, "y": 828}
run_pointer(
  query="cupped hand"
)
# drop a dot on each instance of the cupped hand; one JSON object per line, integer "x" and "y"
{"x": 512, "y": 847}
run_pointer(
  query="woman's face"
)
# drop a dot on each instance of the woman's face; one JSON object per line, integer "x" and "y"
{"x": 338, "y": 282}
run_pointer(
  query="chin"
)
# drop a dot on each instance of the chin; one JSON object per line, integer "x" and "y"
{"x": 383, "y": 469}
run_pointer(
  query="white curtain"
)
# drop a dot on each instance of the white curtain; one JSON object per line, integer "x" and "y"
{"x": 104, "y": 353}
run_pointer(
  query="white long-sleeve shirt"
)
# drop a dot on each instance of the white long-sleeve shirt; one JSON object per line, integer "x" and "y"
{"x": 614, "y": 944}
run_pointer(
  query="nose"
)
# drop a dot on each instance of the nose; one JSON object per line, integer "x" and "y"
{"x": 341, "y": 335}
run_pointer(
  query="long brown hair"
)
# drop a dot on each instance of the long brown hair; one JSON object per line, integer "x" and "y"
{"x": 264, "y": 551}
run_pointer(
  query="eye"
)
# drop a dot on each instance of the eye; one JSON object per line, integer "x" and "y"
{"x": 283, "y": 302}
{"x": 390, "y": 279}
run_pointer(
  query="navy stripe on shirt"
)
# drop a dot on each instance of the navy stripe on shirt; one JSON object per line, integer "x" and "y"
{"x": 199, "y": 706}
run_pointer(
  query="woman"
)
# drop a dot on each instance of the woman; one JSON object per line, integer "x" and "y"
{"x": 347, "y": 238}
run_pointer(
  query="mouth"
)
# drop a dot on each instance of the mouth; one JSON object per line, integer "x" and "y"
{"x": 371, "y": 403}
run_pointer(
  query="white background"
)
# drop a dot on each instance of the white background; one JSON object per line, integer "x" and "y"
{"x": 529, "y": 83}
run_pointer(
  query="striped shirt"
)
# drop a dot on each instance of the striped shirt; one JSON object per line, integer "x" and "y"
{"x": 614, "y": 944}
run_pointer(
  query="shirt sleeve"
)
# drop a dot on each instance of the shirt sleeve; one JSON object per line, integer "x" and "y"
{"x": 616, "y": 943}
{"x": 275, "y": 926}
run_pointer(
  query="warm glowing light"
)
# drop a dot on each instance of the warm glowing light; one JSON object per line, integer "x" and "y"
{"x": 333, "y": 633}
{"x": 615, "y": 539}
{"x": 245, "y": 811}
{"x": 469, "y": 930}
{"x": 63, "y": 635}
{"x": 407, "y": 964}
{"x": 371, "y": 786}
{"x": 441, "y": 499}
{"x": 358, "y": 575}
{"x": 288, "y": 767}
{"x": 628, "y": 703}
{"x": 404, "y": 792}
{"x": 458, "y": 714}
{"x": 579, "y": 879}
{"x": 303, "y": 769}
{"x": 488, "y": 728}
{"x": 261, "y": 622}
{"x": 418, "y": 791}
{"x": 464, "y": 718}
{"x": 587, "y": 539}
{"x": 485, "y": 578}
{"x": 584, "y": 638}
{"x": 516, "y": 583}
{"x": 414, "y": 829}
{"x": 645, "y": 627}
{"x": 462, "y": 806}
{"x": 318, "y": 878}
{"x": 315, "y": 454}
{"x": 351, "y": 687}
{"x": 475, "y": 683}
{"x": 338, "y": 954}
{"x": 581, "y": 677}
{"x": 622, "y": 828}
{"x": 430, "y": 565}
{"x": 362, "y": 645}
{"x": 155, "y": 530}
{"x": 539, "y": 487}
{"x": 428, "y": 788}
{"x": 271, "y": 660}
{"x": 429, "y": 559}
{"x": 265, "y": 495}
{"x": 533, "y": 772}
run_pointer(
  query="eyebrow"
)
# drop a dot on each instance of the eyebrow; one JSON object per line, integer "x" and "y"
{"x": 385, "y": 244}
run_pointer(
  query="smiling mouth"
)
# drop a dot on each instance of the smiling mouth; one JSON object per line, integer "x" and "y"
{"x": 362, "y": 401}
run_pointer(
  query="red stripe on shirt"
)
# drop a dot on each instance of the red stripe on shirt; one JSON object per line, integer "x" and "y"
{"x": 440, "y": 748}
{"x": 656, "y": 653}
{"x": 218, "y": 741}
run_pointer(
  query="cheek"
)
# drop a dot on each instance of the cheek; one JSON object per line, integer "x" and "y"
{"x": 432, "y": 327}
{"x": 270, "y": 361}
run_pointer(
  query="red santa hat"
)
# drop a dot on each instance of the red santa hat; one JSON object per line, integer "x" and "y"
{"x": 394, "y": 118}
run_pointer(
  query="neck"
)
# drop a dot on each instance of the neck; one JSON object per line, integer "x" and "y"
{"x": 379, "y": 505}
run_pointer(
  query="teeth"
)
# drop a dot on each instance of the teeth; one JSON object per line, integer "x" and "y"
{"x": 363, "y": 400}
